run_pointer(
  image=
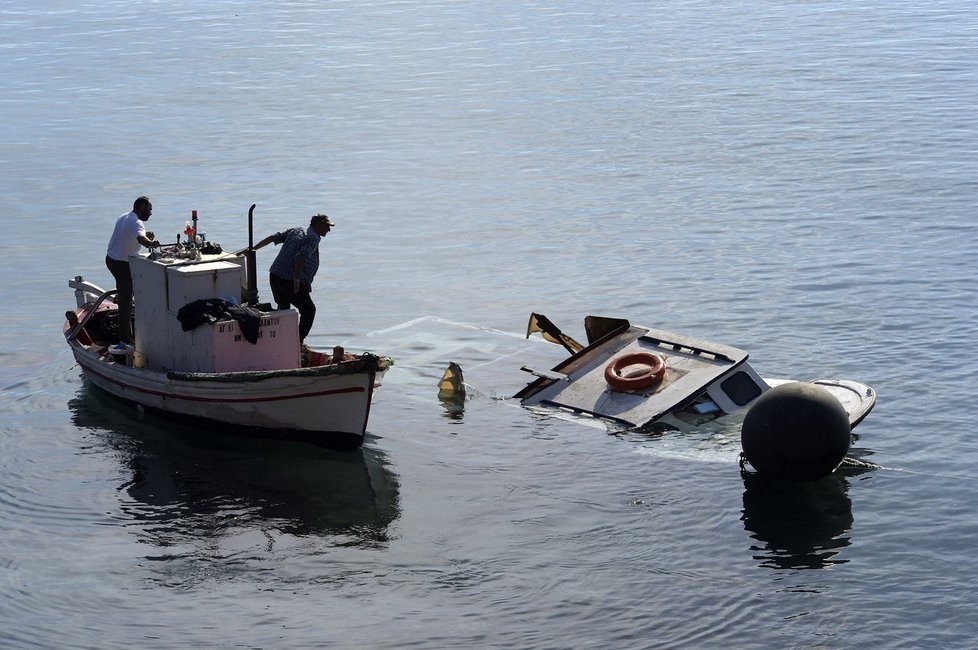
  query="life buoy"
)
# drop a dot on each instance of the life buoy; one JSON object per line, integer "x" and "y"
{"x": 634, "y": 371}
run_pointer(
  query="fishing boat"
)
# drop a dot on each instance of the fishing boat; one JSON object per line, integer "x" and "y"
{"x": 634, "y": 377}
{"x": 205, "y": 351}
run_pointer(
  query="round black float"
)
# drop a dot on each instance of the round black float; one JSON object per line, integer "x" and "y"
{"x": 796, "y": 432}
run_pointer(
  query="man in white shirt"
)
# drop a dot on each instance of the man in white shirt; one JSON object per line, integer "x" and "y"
{"x": 129, "y": 234}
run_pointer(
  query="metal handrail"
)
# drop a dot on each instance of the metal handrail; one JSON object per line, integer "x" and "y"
{"x": 78, "y": 328}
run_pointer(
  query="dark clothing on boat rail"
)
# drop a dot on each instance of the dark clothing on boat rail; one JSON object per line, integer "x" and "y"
{"x": 213, "y": 310}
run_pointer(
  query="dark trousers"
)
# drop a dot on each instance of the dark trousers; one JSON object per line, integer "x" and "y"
{"x": 123, "y": 282}
{"x": 285, "y": 298}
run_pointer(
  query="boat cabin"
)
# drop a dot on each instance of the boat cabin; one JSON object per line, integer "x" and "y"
{"x": 162, "y": 286}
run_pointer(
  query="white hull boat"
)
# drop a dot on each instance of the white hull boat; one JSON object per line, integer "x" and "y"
{"x": 642, "y": 378}
{"x": 697, "y": 381}
{"x": 246, "y": 378}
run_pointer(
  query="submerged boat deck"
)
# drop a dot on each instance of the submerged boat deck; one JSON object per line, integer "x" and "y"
{"x": 691, "y": 365}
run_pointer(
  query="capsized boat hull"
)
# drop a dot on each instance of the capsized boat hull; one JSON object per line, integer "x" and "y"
{"x": 856, "y": 398}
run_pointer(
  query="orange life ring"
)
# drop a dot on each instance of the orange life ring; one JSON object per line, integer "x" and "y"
{"x": 634, "y": 371}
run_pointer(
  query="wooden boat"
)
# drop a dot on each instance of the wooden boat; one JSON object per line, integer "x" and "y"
{"x": 211, "y": 374}
{"x": 692, "y": 381}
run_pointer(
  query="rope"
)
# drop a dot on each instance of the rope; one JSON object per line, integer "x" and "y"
{"x": 846, "y": 462}
{"x": 859, "y": 464}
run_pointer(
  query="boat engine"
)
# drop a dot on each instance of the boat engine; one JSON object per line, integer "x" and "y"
{"x": 796, "y": 432}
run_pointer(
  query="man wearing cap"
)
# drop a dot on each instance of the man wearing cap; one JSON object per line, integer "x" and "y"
{"x": 295, "y": 267}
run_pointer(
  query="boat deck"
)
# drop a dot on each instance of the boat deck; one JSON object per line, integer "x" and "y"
{"x": 579, "y": 384}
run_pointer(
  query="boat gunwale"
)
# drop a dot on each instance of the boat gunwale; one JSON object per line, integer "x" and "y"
{"x": 366, "y": 362}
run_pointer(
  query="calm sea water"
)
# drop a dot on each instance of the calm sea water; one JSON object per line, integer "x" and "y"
{"x": 794, "y": 178}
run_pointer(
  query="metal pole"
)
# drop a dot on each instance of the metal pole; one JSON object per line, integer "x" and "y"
{"x": 251, "y": 261}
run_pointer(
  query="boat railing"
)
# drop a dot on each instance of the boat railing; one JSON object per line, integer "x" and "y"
{"x": 76, "y": 328}
{"x": 85, "y": 291}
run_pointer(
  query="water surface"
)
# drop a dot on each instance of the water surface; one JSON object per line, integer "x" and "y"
{"x": 796, "y": 179}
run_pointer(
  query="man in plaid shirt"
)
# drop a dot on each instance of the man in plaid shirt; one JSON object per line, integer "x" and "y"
{"x": 295, "y": 266}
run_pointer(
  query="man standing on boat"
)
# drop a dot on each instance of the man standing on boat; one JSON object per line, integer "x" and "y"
{"x": 295, "y": 266}
{"x": 129, "y": 234}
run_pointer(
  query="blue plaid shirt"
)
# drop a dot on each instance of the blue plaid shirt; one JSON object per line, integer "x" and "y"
{"x": 297, "y": 243}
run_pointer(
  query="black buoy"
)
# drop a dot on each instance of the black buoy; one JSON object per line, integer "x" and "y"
{"x": 796, "y": 432}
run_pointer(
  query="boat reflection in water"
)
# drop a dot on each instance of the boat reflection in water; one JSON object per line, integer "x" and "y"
{"x": 800, "y": 525}
{"x": 189, "y": 487}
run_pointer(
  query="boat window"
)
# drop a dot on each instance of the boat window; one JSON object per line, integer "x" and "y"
{"x": 740, "y": 388}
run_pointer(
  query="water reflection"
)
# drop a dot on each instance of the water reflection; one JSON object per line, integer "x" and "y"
{"x": 188, "y": 487}
{"x": 797, "y": 525}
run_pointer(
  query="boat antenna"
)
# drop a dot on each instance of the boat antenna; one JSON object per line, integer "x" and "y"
{"x": 251, "y": 261}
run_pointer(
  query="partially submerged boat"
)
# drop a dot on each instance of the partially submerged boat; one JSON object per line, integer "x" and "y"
{"x": 635, "y": 377}
{"x": 207, "y": 352}
{"x": 642, "y": 378}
